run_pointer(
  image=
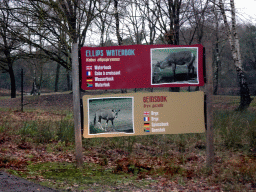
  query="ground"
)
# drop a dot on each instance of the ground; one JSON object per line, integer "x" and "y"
{"x": 163, "y": 164}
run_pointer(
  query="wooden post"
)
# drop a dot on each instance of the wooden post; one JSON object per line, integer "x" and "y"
{"x": 209, "y": 111}
{"x": 76, "y": 105}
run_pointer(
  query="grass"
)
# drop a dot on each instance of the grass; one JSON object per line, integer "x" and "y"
{"x": 235, "y": 129}
{"x": 64, "y": 176}
{"x": 48, "y": 131}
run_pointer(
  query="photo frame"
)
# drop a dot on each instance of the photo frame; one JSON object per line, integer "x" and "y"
{"x": 111, "y": 115}
{"x": 174, "y": 65}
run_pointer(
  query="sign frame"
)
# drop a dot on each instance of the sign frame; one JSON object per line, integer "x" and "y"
{"x": 134, "y": 66}
{"x": 168, "y": 113}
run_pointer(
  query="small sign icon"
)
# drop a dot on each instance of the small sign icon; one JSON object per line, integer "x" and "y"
{"x": 89, "y": 85}
{"x": 147, "y": 130}
{"x": 88, "y": 73}
{"x": 89, "y": 67}
{"x": 89, "y": 79}
{"x": 146, "y": 118}
{"x": 146, "y": 124}
{"x": 146, "y": 112}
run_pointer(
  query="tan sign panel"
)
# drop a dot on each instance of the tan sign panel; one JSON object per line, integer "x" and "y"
{"x": 143, "y": 114}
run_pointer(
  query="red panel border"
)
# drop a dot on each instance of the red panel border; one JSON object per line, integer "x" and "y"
{"x": 132, "y": 66}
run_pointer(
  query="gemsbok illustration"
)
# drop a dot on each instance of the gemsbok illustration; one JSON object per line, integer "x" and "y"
{"x": 106, "y": 114}
{"x": 173, "y": 59}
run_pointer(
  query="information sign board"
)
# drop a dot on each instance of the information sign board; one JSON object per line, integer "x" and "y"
{"x": 149, "y": 113}
{"x": 141, "y": 66}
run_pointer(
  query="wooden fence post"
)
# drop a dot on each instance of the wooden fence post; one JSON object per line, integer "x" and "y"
{"x": 76, "y": 105}
{"x": 209, "y": 110}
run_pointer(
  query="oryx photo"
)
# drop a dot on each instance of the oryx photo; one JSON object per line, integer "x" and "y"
{"x": 176, "y": 65}
{"x": 110, "y": 115}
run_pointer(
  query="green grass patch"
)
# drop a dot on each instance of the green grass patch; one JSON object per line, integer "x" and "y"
{"x": 4, "y": 97}
{"x": 65, "y": 130}
{"x": 40, "y": 132}
{"x": 66, "y": 176}
{"x": 48, "y": 131}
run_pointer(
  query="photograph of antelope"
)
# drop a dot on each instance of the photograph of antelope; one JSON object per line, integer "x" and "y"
{"x": 174, "y": 65}
{"x": 110, "y": 115}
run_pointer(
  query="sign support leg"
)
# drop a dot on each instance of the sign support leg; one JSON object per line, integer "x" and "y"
{"x": 209, "y": 110}
{"x": 76, "y": 105}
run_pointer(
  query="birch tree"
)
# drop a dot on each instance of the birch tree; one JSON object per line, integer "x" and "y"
{"x": 245, "y": 98}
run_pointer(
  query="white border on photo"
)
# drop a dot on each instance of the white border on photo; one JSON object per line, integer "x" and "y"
{"x": 111, "y": 98}
{"x": 175, "y": 82}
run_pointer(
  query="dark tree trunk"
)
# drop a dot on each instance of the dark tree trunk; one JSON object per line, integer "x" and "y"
{"x": 40, "y": 81}
{"x": 119, "y": 38}
{"x": 216, "y": 79}
{"x": 173, "y": 36}
{"x": 13, "y": 84}
{"x": 68, "y": 80}
{"x": 245, "y": 98}
{"x": 10, "y": 71}
{"x": 57, "y": 77}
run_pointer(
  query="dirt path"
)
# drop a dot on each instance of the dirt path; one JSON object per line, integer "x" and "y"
{"x": 11, "y": 183}
{"x": 44, "y": 102}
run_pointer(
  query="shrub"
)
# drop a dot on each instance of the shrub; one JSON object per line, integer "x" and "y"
{"x": 29, "y": 129}
{"x": 236, "y": 129}
{"x": 65, "y": 130}
{"x": 45, "y": 132}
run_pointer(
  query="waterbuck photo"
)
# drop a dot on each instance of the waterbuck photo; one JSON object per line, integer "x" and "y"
{"x": 106, "y": 114}
{"x": 180, "y": 58}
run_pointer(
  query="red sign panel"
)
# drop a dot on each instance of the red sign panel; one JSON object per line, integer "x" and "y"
{"x": 141, "y": 66}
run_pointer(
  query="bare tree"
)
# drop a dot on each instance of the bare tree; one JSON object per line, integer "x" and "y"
{"x": 116, "y": 15}
{"x": 217, "y": 61}
{"x": 245, "y": 98}
{"x": 198, "y": 17}
{"x": 9, "y": 44}
{"x": 151, "y": 15}
{"x": 73, "y": 17}
{"x": 134, "y": 22}
{"x": 104, "y": 22}
{"x": 169, "y": 20}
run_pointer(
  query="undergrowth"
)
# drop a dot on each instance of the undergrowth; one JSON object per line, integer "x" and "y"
{"x": 235, "y": 130}
{"x": 121, "y": 160}
{"x": 47, "y": 131}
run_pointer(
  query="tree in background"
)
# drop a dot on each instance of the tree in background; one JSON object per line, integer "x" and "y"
{"x": 50, "y": 27}
{"x": 245, "y": 98}
{"x": 72, "y": 17}
{"x": 9, "y": 43}
{"x": 169, "y": 21}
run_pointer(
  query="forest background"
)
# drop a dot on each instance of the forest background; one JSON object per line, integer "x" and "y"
{"x": 38, "y": 35}
{"x": 38, "y": 143}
